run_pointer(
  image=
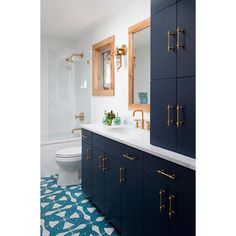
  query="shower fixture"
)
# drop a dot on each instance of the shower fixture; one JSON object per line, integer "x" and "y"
{"x": 70, "y": 58}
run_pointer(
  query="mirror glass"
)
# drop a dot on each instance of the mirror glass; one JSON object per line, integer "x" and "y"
{"x": 141, "y": 60}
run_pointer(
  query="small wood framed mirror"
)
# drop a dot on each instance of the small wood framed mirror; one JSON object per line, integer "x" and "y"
{"x": 139, "y": 66}
{"x": 103, "y": 67}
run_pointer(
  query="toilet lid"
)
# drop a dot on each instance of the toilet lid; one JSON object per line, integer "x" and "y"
{"x": 69, "y": 152}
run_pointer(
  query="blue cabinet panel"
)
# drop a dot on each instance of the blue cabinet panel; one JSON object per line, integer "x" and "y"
{"x": 183, "y": 221}
{"x": 98, "y": 179}
{"x": 112, "y": 192}
{"x": 186, "y": 132}
{"x": 163, "y": 61}
{"x": 163, "y": 94}
{"x": 186, "y": 24}
{"x": 155, "y": 220}
{"x": 131, "y": 202}
{"x": 86, "y": 169}
{"x": 157, "y": 5}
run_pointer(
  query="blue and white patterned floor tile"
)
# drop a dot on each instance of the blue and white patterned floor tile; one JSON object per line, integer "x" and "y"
{"x": 66, "y": 211}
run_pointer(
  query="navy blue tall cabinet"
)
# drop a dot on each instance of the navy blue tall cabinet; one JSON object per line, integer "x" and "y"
{"x": 173, "y": 75}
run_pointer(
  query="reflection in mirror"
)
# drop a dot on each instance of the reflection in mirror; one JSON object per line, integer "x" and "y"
{"x": 141, "y": 63}
{"x": 139, "y": 66}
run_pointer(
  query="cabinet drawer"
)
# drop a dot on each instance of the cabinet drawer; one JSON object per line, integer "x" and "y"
{"x": 121, "y": 152}
{"x": 86, "y": 136}
{"x": 174, "y": 175}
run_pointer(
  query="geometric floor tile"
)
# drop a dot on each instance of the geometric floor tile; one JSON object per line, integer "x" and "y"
{"x": 66, "y": 211}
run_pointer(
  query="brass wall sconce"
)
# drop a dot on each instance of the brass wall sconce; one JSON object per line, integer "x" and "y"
{"x": 119, "y": 52}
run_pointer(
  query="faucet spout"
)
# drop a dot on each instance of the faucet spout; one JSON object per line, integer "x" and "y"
{"x": 142, "y": 121}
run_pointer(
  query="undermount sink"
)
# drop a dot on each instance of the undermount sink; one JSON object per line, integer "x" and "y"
{"x": 125, "y": 130}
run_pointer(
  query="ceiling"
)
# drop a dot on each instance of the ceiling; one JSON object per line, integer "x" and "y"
{"x": 72, "y": 18}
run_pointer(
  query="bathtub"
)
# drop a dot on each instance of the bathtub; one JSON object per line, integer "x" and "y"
{"x": 52, "y": 143}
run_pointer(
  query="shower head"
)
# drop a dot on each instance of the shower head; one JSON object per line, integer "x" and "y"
{"x": 70, "y": 58}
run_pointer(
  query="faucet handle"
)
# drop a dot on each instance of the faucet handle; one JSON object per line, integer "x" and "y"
{"x": 137, "y": 123}
{"x": 148, "y": 124}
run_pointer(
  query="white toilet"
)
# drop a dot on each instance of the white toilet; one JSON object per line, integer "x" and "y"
{"x": 69, "y": 160}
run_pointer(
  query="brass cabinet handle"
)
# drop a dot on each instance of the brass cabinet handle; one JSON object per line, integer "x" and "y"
{"x": 84, "y": 136}
{"x": 104, "y": 166}
{"x": 179, "y": 123}
{"x": 179, "y": 45}
{"x": 171, "y": 211}
{"x": 169, "y": 41}
{"x": 122, "y": 178}
{"x": 162, "y": 206}
{"x": 100, "y": 162}
{"x": 163, "y": 172}
{"x": 129, "y": 157}
{"x": 169, "y": 120}
{"x": 89, "y": 154}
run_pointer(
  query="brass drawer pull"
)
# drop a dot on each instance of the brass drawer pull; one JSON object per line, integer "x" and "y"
{"x": 84, "y": 136}
{"x": 169, "y": 41}
{"x": 162, "y": 206}
{"x": 129, "y": 157}
{"x": 104, "y": 166}
{"x": 122, "y": 178}
{"x": 89, "y": 154}
{"x": 171, "y": 211}
{"x": 162, "y": 172}
{"x": 179, "y": 45}
{"x": 169, "y": 109}
{"x": 100, "y": 162}
{"x": 179, "y": 123}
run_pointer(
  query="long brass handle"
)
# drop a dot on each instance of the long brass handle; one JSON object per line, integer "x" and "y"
{"x": 89, "y": 154}
{"x": 129, "y": 157}
{"x": 169, "y": 41}
{"x": 162, "y": 206}
{"x": 84, "y": 136}
{"x": 163, "y": 172}
{"x": 169, "y": 120}
{"x": 122, "y": 178}
{"x": 104, "y": 166}
{"x": 171, "y": 211}
{"x": 179, "y": 123}
{"x": 179, "y": 45}
{"x": 100, "y": 163}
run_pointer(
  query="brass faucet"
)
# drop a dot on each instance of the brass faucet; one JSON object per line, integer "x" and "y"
{"x": 80, "y": 116}
{"x": 142, "y": 121}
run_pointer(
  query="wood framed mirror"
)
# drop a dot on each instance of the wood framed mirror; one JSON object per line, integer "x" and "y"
{"x": 139, "y": 66}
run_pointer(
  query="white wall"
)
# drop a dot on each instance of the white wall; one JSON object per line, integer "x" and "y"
{"x": 116, "y": 25}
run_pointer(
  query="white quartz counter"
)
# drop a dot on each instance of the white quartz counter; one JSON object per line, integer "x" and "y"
{"x": 140, "y": 139}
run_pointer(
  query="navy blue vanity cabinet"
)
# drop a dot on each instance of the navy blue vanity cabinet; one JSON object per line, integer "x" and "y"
{"x": 112, "y": 191}
{"x": 186, "y": 113}
{"x": 86, "y": 175}
{"x": 131, "y": 201}
{"x": 155, "y": 212}
{"x": 163, "y": 113}
{"x": 98, "y": 184}
{"x": 185, "y": 33}
{"x": 173, "y": 40}
{"x": 157, "y": 5}
{"x": 163, "y": 43}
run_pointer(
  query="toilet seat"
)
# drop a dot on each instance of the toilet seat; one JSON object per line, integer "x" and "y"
{"x": 72, "y": 152}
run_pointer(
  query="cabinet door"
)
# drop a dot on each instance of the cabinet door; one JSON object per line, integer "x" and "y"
{"x": 155, "y": 219}
{"x": 86, "y": 169}
{"x": 186, "y": 22}
{"x": 98, "y": 179}
{"x": 183, "y": 221}
{"x": 186, "y": 132}
{"x": 131, "y": 202}
{"x": 163, "y": 93}
{"x": 157, "y": 5}
{"x": 112, "y": 191}
{"x": 163, "y": 61}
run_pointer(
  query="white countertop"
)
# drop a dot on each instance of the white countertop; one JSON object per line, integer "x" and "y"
{"x": 140, "y": 139}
